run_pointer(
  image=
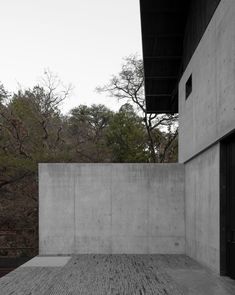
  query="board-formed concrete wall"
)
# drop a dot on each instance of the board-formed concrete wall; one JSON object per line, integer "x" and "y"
{"x": 202, "y": 208}
{"x": 111, "y": 208}
{"x": 209, "y": 112}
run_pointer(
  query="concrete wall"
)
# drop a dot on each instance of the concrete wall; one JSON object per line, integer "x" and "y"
{"x": 202, "y": 199}
{"x": 111, "y": 208}
{"x": 209, "y": 112}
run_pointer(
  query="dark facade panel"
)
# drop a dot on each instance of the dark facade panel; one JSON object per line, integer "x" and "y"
{"x": 161, "y": 67}
{"x": 162, "y": 45}
{"x": 161, "y": 104}
{"x": 163, "y": 24}
{"x": 159, "y": 5}
{"x": 171, "y": 31}
{"x": 199, "y": 16}
{"x": 227, "y": 206}
{"x": 159, "y": 86}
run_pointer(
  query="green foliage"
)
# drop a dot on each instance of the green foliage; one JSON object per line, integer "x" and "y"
{"x": 126, "y": 137}
{"x": 87, "y": 128}
{"x": 32, "y": 130}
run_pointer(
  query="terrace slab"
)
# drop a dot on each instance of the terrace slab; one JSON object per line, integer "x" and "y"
{"x": 115, "y": 274}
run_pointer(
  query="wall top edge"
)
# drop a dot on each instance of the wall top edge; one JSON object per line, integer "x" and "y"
{"x": 116, "y": 164}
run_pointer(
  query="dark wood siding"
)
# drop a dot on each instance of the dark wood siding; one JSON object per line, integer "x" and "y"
{"x": 199, "y": 16}
{"x": 171, "y": 31}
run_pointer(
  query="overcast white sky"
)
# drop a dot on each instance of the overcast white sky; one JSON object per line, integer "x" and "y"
{"x": 83, "y": 41}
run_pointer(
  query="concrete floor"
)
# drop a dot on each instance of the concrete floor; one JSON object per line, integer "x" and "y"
{"x": 114, "y": 274}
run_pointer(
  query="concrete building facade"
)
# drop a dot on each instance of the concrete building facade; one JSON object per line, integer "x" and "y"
{"x": 201, "y": 86}
{"x": 189, "y": 66}
{"x": 207, "y": 116}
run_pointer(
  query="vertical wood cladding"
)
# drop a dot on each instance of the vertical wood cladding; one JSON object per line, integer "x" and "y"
{"x": 171, "y": 32}
{"x": 199, "y": 16}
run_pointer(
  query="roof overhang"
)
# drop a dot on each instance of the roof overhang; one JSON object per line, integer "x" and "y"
{"x": 163, "y": 25}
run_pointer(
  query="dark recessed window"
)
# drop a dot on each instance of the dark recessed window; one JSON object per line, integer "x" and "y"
{"x": 188, "y": 86}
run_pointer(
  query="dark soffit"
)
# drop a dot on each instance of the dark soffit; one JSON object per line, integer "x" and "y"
{"x": 171, "y": 31}
{"x": 163, "y": 25}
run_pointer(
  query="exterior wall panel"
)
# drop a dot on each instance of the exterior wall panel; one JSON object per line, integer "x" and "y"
{"x": 209, "y": 112}
{"x": 111, "y": 208}
{"x": 202, "y": 208}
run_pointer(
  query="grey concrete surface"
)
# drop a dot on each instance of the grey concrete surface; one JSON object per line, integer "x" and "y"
{"x": 202, "y": 208}
{"x": 111, "y": 208}
{"x": 209, "y": 112}
{"x": 47, "y": 261}
{"x": 118, "y": 274}
{"x": 56, "y": 209}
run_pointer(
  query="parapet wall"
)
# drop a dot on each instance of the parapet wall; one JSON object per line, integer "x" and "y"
{"x": 202, "y": 206}
{"x": 111, "y": 208}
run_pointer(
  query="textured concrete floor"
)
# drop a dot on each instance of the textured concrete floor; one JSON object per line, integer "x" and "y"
{"x": 115, "y": 274}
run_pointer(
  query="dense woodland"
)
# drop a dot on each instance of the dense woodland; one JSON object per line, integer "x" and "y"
{"x": 33, "y": 130}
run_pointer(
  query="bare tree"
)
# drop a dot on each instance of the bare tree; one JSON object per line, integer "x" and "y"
{"x": 128, "y": 85}
{"x": 30, "y": 125}
{"x": 55, "y": 92}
